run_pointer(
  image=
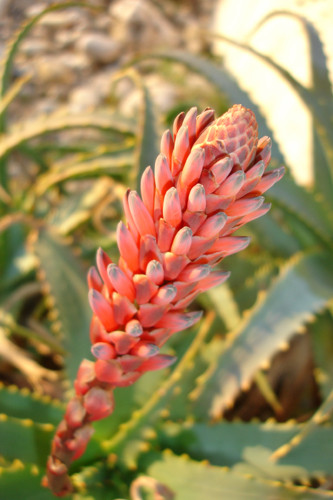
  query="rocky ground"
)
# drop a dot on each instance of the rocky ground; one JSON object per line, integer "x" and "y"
{"x": 73, "y": 53}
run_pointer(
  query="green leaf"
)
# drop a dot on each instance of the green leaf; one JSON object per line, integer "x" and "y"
{"x": 77, "y": 209}
{"x": 322, "y": 348}
{"x": 195, "y": 481}
{"x": 229, "y": 443}
{"x": 148, "y": 137}
{"x": 305, "y": 207}
{"x": 320, "y": 111}
{"x": 319, "y": 69}
{"x": 273, "y": 237}
{"x": 304, "y": 287}
{"x": 112, "y": 164}
{"x": 25, "y": 440}
{"x": 223, "y": 443}
{"x": 19, "y": 481}
{"x": 224, "y": 82}
{"x": 65, "y": 277}
{"x": 21, "y": 403}
{"x": 300, "y": 445}
{"x": 61, "y": 120}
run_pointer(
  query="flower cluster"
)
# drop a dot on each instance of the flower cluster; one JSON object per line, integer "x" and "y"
{"x": 208, "y": 181}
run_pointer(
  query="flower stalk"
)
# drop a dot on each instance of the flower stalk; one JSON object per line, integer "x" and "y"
{"x": 208, "y": 181}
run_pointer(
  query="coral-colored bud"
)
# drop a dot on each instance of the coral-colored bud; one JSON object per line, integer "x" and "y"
{"x": 191, "y": 172}
{"x": 182, "y": 241}
{"x": 122, "y": 341}
{"x": 221, "y": 169}
{"x": 197, "y": 199}
{"x": 85, "y": 376}
{"x": 212, "y": 226}
{"x": 102, "y": 309}
{"x": 145, "y": 350}
{"x": 134, "y": 328}
{"x": 150, "y": 314}
{"x": 98, "y": 403}
{"x": 172, "y": 212}
{"x": 120, "y": 282}
{"x": 127, "y": 247}
{"x": 123, "y": 308}
{"x": 167, "y": 146}
{"x": 179, "y": 321}
{"x": 166, "y": 233}
{"x": 144, "y": 287}
{"x": 102, "y": 261}
{"x": 148, "y": 190}
{"x": 244, "y": 206}
{"x": 108, "y": 371}
{"x": 193, "y": 272}
{"x": 75, "y": 413}
{"x": 142, "y": 218}
{"x": 190, "y": 120}
{"x": 165, "y": 295}
{"x": 232, "y": 184}
{"x": 94, "y": 281}
{"x": 102, "y": 350}
{"x": 180, "y": 150}
{"x": 173, "y": 265}
{"x": 148, "y": 251}
{"x": 163, "y": 176}
{"x": 157, "y": 363}
{"x": 269, "y": 179}
{"x": 155, "y": 272}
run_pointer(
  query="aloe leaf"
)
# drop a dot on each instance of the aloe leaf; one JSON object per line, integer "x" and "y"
{"x": 308, "y": 435}
{"x": 223, "y": 443}
{"x": 115, "y": 163}
{"x": 224, "y": 82}
{"x": 274, "y": 237}
{"x": 320, "y": 112}
{"x": 229, "y": 443}
{"x": 319, "y": 69}
{"x": 21, "y": 403}
{"x": 195, "y": 481}
{"x": 23, "y": 481}
{"x": 12, "y": 92}
{"x": 304, "y": 287}
{"x": 322, "y": 345}
{"x": 313, "y": 452}
{"x": 59, "y": 121}
{"x": 79, "y": 208}
{"x": 305, "y": 207}
{"x": 64, "y": 277}
{"x": 321, "y": 86}
{"x": 225, "y": 305}
{"x": 147, "y": 140}
{"x": 33, "y": 439}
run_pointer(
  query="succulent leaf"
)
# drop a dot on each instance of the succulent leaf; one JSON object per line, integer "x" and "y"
{"x": 304, "y": 288}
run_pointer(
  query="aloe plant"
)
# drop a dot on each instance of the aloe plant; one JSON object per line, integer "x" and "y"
{"x": 167, "y": 435}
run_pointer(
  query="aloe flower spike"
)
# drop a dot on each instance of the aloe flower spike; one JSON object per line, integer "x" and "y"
{"x": 208, "y": 181}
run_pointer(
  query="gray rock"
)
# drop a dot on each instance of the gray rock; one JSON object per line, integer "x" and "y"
{"x": 4, "y": 7}
{"x": 34, "y": 46}
{"x": 141, "y": 25}
{"x": 92, "y": 93}
{"x": 100, "y": 48}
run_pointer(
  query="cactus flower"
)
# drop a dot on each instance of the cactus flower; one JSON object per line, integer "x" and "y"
{"x": 208, "y": 181}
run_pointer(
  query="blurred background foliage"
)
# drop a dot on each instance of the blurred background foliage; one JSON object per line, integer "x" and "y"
{"x": 85, "y": 91}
